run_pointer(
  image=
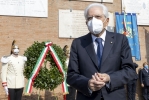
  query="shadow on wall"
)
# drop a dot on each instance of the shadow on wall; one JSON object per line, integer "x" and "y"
{"x": 147, "y": 44}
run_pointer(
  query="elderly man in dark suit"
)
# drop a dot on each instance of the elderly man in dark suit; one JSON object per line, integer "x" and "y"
{"x": 100, "y": 62}
{"x": 144, "y": 80}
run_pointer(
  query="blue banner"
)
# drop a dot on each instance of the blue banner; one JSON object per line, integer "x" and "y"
{"x": 127, "y": 24}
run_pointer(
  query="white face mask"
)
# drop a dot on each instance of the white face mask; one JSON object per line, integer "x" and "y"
{"x": 95, "y": 26}
{"x": 15, "y": 51}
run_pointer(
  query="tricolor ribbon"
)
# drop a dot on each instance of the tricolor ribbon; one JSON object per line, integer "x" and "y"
{"x": 125, "y": 25}
{"x": 37, "y": 67}
{"x": 60, "y": 67}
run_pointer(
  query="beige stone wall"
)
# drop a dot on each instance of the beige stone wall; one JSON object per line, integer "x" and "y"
{"x": 26, "y": 30}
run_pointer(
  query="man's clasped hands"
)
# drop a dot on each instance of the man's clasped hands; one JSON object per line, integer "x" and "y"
{"x": 98, "y": 81}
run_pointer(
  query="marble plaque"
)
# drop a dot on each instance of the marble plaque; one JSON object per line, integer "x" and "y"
{"x": 140, "y": 7}
{"x": 32, "y": 8}
{"x": 72, "y": 23}
{"x": 106, "y": 1}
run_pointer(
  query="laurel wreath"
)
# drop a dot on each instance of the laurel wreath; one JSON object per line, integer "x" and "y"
{"x": 49, "y": 76}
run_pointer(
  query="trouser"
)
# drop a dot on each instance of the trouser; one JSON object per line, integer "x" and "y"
{"x": 146, "y": 92}
{"x": 72, "y": 93}
{"x": 102, "y": 98}
{"x": 131, "y": 89}
{"x": 15, "y": 94}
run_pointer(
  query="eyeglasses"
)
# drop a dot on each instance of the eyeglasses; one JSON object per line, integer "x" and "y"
{"x": 97, "y": 17}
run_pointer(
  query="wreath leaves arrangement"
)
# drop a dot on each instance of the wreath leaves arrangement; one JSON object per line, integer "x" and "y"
{"x": 48, "y": 77}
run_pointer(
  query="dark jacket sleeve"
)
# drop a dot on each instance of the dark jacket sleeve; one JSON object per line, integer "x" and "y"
{"x": 127, "y": 71}
{"x": 74, "y": 78}
{"x": 140, "y": 76}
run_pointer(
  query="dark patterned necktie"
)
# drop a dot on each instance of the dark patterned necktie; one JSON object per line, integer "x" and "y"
{"x": 99, "y": 50}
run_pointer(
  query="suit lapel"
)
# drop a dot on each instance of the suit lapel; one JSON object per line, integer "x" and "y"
{"x": 145, "y": 71}
{"x": 90, "y": 49}
{"x": 109, "y": 41}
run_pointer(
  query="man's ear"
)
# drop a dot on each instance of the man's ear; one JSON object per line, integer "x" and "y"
{"x": 107, "y": 21}
{"x": 86, "y": 22}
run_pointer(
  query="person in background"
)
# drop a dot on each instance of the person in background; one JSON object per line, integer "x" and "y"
{"x": 72, "y": 91}
{"x": 12, "y": 73}
{"x": 100, "y": 62}
{"x": 131, "y": 87}
{"x": 67, "y": 52}
{"x": 144, "y": 80}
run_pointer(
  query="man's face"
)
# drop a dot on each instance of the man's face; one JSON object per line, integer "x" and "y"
{"x": 97, "y": 12}
{"x": 15, "y": 50}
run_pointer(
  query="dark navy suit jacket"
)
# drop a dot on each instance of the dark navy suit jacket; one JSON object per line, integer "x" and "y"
{"x": 144, "y": 77}
{"x": 116, "y": 61}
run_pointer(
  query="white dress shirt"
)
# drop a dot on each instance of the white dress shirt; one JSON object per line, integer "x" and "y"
{"x": 103, "y": 36}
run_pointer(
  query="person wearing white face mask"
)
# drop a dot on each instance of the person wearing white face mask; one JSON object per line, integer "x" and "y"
{"x": 95, "y": 25}
{"x": 144, "y": 80}
{"x": 12, "y": 73}
{"x": 100, "y": 62}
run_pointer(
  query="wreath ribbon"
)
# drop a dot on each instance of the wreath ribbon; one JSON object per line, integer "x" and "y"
{"x": 38, "y": 64}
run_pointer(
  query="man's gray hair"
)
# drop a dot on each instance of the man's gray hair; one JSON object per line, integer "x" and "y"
{"x": 103, "y": 7}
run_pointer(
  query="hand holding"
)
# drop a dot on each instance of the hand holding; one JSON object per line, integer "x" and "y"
{"x": 95, "y": 83}
{"x": 104, "y": 77}
{"x": 6, "y": 90}
{"x": 142, "y": 85}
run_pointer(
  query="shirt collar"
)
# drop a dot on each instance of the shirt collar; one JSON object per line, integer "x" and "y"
{"x": 103, "y": 36}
